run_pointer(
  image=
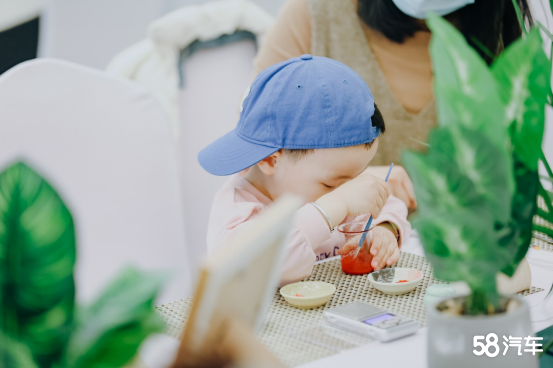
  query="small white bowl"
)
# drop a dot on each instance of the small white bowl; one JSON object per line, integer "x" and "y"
{"x": 386, "y": 280}
{"x": 313, "y": 293}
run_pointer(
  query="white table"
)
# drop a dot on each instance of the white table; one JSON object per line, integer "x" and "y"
{"x": 409, "y": 351}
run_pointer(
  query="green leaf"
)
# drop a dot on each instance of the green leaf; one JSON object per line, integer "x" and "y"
{"x": 433, "y": 179}
{"x": 519, "y": 236}
{"x": 523, "y": 74}
{"x": 545, "y": 30}
{"x": 545, "y": 230}
{"x": 519, "y": 16}
{"x": 110, "y": 331}
{"x": 14, "y": 354}
{"x": 546, "y": 164}
{"x": 462, "y": 169}
{"x": 484, "y": 165}
{"x": 462, "y": 246}
{"x": 37, "y": 256}
{"x": 542, "y": 213}
{"x": 483, "y": 48}
{"x": 465, "y": 89}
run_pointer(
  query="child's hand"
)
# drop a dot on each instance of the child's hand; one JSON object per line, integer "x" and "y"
{"x": 399, "y": 182}
{"x": 383, "y": 247}
{"x": 363, "y": 194}
{"x": 353, "y": 243}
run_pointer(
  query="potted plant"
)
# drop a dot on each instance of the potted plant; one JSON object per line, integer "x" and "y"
{"x": 39, "y": 323}
{"x": 477, "y": 188}
{"x": 547, "y": 195}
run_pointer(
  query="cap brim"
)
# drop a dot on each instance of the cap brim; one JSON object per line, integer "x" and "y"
{"x": 231, "y": 154}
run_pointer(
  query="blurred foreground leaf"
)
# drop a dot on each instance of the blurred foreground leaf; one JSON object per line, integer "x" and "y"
{"x": 37, "y": 256}
{"x": 477, "y": 185}
{"x": 14, "y": 354}
{"x": 465, "y": 89}
{"x": 458, "y": 183}
{"x": 518, "y": 233}
{"x": 523, "y": 73}
{"x": 110, "y": 330}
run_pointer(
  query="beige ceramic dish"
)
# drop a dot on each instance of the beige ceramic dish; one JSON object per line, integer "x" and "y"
{"x": 386, "y": 280}
{"x": 314, "y": 293}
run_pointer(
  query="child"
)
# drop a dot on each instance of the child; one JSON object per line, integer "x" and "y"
{"x": 309, "y": 126}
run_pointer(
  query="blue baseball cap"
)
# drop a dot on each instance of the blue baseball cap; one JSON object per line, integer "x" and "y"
{"x": 302, "y": 103}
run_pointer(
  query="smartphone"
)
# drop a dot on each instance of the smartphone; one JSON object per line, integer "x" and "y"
{"x": 371, "y": 321}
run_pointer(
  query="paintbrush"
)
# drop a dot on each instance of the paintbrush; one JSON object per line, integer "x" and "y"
{"x": 364, "y": 236}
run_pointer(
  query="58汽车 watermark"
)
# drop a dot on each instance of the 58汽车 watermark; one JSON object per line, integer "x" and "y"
{"x": 492, "y": 349}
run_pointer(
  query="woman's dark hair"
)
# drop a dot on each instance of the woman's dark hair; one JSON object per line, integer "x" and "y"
{"x": 492, "y": 23}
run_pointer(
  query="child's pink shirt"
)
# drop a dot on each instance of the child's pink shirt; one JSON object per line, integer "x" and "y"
{"x": 238, "y": 203}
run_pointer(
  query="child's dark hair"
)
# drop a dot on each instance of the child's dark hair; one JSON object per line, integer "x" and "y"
{"x": 377, "y": 122}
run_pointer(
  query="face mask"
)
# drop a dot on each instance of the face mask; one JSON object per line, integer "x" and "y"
{"x": 419, "y": 8}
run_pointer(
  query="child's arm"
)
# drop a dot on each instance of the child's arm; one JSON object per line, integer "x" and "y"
{"x": 399, "y": 182}
{"x": 368, "y": 194}
{"x": 361, "y": 195}
{"x": 309, "y": 231}
{"x": 394, "y": 217}
{"x": 393, "y": 228}
{"x": 388, "y": 232}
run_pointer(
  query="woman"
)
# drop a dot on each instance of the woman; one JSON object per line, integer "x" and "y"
{"x": 386, "y": 42}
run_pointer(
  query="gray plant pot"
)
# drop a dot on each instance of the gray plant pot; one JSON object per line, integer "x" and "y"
{"x": 451, "y": 339}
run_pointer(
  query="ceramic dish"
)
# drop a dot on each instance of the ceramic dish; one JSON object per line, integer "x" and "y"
{"x": 395, "y": 281}
{"x": 308, "y": 294}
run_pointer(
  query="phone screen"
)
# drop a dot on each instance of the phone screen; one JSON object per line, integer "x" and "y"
{"x": 382, "y": 317}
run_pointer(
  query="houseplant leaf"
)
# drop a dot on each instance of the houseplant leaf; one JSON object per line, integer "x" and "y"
{"x": 110, "y": 331}
{"x": 518, "y": 235}
{"x": 462, "y": 200}
{"x": 523, "y": 74}
{"x": 481, "y": 163}
{"x": 460, "y": 73}
{"x": 519, "y": 16}
{"x": 464, "y": 251}
{"x": 37, "y": 256}
{"x": 439, "y": 186}
{"x": 14, "y": 354}
{"x": 461, "y": 169}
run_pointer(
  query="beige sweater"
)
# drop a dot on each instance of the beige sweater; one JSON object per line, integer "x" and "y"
{"x": 399, "y": 75}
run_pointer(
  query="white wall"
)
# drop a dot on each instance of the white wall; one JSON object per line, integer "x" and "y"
{"x": 271, "y": 6}
{"x": 91, "y": 32}
{"x": 15, "y": 12}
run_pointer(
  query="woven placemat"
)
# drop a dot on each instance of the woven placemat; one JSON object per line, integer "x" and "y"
{"x": 281, "y": 316}
{"x": 540, "y": 239}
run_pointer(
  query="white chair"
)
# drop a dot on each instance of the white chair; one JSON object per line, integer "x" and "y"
{"x": 216, "y": 42}
{"x": 215, "y": 82}
{"x": 105, "y": 145}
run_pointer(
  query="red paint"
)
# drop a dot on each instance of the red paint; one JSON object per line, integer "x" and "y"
{"x": 400, "y": 281}
{"x": 359, "y": 265}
